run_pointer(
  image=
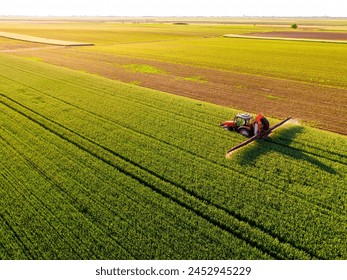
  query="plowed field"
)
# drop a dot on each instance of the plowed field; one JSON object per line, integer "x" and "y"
{"x": 304, "y": 80}
{"x": 252, "y": 93}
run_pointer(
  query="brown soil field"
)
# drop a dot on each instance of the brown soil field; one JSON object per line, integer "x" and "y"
{"x": 319, "y": 106}
{"x": 303, "y": 35}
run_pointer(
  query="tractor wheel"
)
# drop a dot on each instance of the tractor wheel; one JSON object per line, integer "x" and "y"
{"x": 244, "y": 132}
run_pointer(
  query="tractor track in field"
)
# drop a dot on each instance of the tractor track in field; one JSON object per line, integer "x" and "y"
{"x": 120, "y": 169}
{"x": 27, "y": 251}
{"x": 281, "y": 199}
{"x": 314, "y": 202}
{"x": 20, "y": 237}
{"x": 38, "y": 214}
{"x": 310, "y": 153}
{"x": 92, "y": 91}
{"x": 173, "y": 113}
{"x": 95, "y": 142}
{"x": 91, "y": 195}
{"x": 159, "y": 190}
{"x": 113, "y": 166}
{"x": 35, "y": 167}
{"x": 73, "y": 204}
{"x": 106, "y": 92}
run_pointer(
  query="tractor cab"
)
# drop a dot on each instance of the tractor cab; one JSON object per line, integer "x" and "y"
{"x": 242, "y": 123}
{"x": 243, "y": 120}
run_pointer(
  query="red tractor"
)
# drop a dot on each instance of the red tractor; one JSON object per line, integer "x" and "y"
{"x": 242, "y": 123}
{"x": 245, "y": 124}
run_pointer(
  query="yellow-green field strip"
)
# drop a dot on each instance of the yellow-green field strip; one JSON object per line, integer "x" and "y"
{"x": 33, "y": 39}
{"x": 284, "y": 39}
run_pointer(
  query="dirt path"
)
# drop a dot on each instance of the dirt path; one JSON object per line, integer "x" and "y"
{"x": 40, "y": 40}
{"x": 24, "y": 49}
{"x": 317, "y": 105}
{"x": 304, "y": 35}
{"x": 293, "y": 36}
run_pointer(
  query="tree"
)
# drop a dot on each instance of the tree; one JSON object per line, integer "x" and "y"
{"x": 294, "y": 26}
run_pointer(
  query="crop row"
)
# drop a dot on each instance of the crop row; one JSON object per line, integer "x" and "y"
{"x": 181, "y": 159}
{"x": 104, "y": 89}
{"x": 163, "y": 123}
{"x": 243, "y": 230}
{"x": 96, "y": 200}
{"x": 34, "y": 201}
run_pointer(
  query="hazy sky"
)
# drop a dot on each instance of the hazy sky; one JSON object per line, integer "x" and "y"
{"x": 337, "y": 8}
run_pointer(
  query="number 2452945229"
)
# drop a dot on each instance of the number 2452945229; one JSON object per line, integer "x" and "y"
{"x": 219, "y": 270}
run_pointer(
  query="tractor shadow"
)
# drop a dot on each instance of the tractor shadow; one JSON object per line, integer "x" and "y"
{"x": 279, "y": 143}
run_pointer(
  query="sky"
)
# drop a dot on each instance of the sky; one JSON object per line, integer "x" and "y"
{"x": 284, "y": 8}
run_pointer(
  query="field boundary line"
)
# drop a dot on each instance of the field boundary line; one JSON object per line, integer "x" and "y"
{"x": 284, "y": 39}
